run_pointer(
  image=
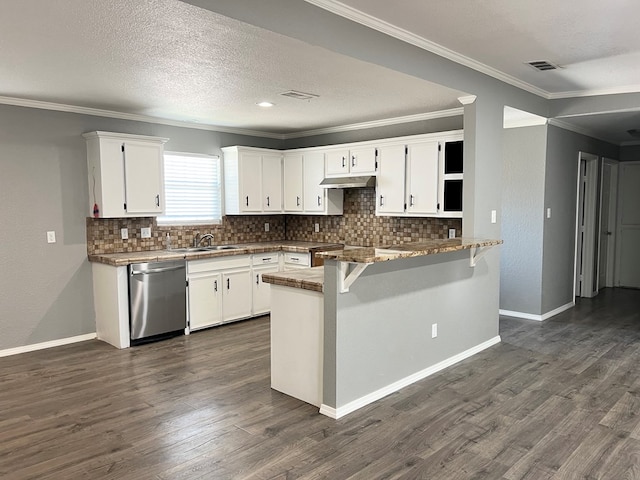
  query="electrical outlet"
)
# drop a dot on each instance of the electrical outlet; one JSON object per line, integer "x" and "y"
{"x": 548, "y": 212}
{"x": 124, "y": 233}
{"x": 494, "y": 216}
{"x": 452, "y": 233}
{"x": 434, "y": 330}
{"x": 145, "y": 232}
{"x": 51, "y": 237}
{"x": 316, "y": 227}
{"x": 266, "y": 227}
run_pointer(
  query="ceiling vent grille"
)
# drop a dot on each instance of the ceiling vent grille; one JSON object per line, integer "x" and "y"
{"x": 542, "y": 65}
{"x": 299, "y": 95}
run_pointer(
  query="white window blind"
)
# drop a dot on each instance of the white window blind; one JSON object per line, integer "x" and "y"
{"x": 192, "y": 189}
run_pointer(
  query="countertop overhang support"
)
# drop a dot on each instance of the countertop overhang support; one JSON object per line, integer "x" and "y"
{"x": 347, "y": 275}
{"x": 476, "y": 253}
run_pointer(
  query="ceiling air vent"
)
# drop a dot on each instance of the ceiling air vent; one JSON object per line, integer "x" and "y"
{"x": 542, "y": 65}
{"x": 299, "y": 95}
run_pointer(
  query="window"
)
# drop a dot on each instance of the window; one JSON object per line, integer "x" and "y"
{"x": 192, "y": 189}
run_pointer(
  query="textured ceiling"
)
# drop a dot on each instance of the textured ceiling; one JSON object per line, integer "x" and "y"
{"x": 175, "y": 61}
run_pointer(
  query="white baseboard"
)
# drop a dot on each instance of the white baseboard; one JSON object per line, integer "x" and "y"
{"x": 43, "y": 345}
{"x": 537, "y": 318}
{"x": 395, "y": 386}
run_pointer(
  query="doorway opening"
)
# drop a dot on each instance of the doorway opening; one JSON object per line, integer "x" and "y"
{"x": 608, "y": 215}
{"x": 586, "y": 258}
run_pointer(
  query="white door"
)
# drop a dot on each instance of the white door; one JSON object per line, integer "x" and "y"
{"x": 205, "y": 294}
{"x": 272, "y": 183}
{"x": 362, "y": 160}
{"x": 143, "y": 177}
{"x": 236, "y": 295}
{"x": 261, "y": 290}
{"x": 608, "y": 202}
{"x": 337, "y": 162}
{"x": 293, "y": 182}
{"x": 422, "y": 178}
{"x": 313, "y": 171}
{"x": 628, "y": 251}
{"x": 390, "y": 190}
{"x": 250, "y": 167}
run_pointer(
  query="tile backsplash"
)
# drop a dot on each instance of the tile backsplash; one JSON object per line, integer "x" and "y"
{"x": 358, "y": 226}
{"x": 103, "y": 234}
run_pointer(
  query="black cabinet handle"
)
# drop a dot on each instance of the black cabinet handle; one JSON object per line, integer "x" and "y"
{"x": 353, "y": 160}
{"x": 381, "y": 200}
{"x": 215, "y": 285}
{"x": 343, "y": 162}
{"x": 297, "y": 201}
{"x": 247, "y": 200}
{"x": 258, "y": 279}
{"x": 157, "y": 200}
{"x": 228, "y": 283}
{"x": 411, "y": 200}
{"x": 318, "y": 200}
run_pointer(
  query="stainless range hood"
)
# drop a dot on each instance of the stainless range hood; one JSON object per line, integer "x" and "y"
{"x": 348, "y": 182}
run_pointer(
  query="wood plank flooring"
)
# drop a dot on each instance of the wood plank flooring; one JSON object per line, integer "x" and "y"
{"x": 558, "y": 399}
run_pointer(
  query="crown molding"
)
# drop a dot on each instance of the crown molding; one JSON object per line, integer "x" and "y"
{"x": 573, "y": 128}
{"x": 367, "y": 20}
{"x": 60, "y": 107}
{"x": 467, "y": 100}
{"x": 595, "y": 92}
{"x": 454, "y": 112}
{"x": 631, "y": 143}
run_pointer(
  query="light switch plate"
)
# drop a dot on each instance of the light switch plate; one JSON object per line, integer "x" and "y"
{"x": 266, "y": 227}
{"x": 452, "y": 233}
{"x": 316, "y": 227}
{"x": 145, "y": 232}
{"x": 124, "y": 233}
{"x": 494, "y": 216}
{"x": 548, "y": 212}
{"x": 434, "y": 330}
{"x": 51, "y": 237}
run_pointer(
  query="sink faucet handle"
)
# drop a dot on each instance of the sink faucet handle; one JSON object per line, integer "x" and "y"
{"x": 196, "y": 239}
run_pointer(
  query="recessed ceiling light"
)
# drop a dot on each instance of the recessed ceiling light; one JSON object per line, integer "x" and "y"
{"x": 265, "y": 104}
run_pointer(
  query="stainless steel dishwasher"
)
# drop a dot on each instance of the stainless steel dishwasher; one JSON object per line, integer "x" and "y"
{"x": 157, "y": 300}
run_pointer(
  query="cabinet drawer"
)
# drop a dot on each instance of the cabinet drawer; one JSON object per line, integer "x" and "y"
{"x": 212, "y": 264}
{"x": 303, "y": 259}
{"x": 270, "y": 258}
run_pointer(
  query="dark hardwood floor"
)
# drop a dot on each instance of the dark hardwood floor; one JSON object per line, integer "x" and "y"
{"x": 555, "y": 400}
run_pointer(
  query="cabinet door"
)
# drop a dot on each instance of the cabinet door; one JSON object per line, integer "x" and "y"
{"x": 272, "y": 183}
{"x": 313, "y": 170}
{"x": 293, "y": 184}
{"x": 236, "y": 295}
{"x": 337, "y": 162}
{"x": 143, "y": 177}
{"x": 205, "y": 294}
{"x": 391, "y": 180}
{"x": 250, "y": 167}
{"x": 422, "y": 174}
{"x": 261, "y": 290}
{"x": 362, "y": 160}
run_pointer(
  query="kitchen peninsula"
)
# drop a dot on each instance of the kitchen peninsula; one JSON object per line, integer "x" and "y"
{"x": 386, "y": 318}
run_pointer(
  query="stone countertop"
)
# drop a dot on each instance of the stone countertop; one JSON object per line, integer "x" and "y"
{"x": 122, "y": 259}
{"x": 406, "y": 250}
{"x": 304, "y": 278}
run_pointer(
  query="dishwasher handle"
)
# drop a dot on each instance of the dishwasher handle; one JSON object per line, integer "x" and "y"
{"x": 135, "y": 271}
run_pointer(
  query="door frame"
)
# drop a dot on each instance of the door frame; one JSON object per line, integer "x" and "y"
{"x": 612, "y": 216}
{"x": 585, "y": 285}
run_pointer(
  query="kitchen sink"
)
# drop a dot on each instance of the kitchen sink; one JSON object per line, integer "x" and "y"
{"x": 205, "y": 249}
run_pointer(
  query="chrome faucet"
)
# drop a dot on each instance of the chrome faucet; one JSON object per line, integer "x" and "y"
{"x": 197, "y": 240}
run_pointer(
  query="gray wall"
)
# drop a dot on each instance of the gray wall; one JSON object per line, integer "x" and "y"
{"x": 630, "y": 153}
{"x": 524, "y": 158}
{"x": 46, "y": 289}
{"x": 380, "y": 331}
{"x": 402, "y": 129}
{"x": 563, "y": 149}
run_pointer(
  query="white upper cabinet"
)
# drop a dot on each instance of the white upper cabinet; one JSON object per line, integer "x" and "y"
{"x": 354, "y": 161}
{"x": 293, "y": 182}
{"x": 422, "y": 178}
{"x": 252, "y": 180}
{"x": 125, "y": 174}
{"x": 390, "y": 191}
{"x": 272, "y": 182}
{"x": 318, "y": 200}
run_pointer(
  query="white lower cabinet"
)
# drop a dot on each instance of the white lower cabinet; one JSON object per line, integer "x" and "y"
{"x": 205, "y": 301}
{"x": 219, "y": 290}
{"x": 236, "y": 295}
{"x": 263, "y": 263}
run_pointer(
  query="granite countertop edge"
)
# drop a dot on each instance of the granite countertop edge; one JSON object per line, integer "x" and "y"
{"x": 306, "y": 279}
{"x": 127, "y": 258}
